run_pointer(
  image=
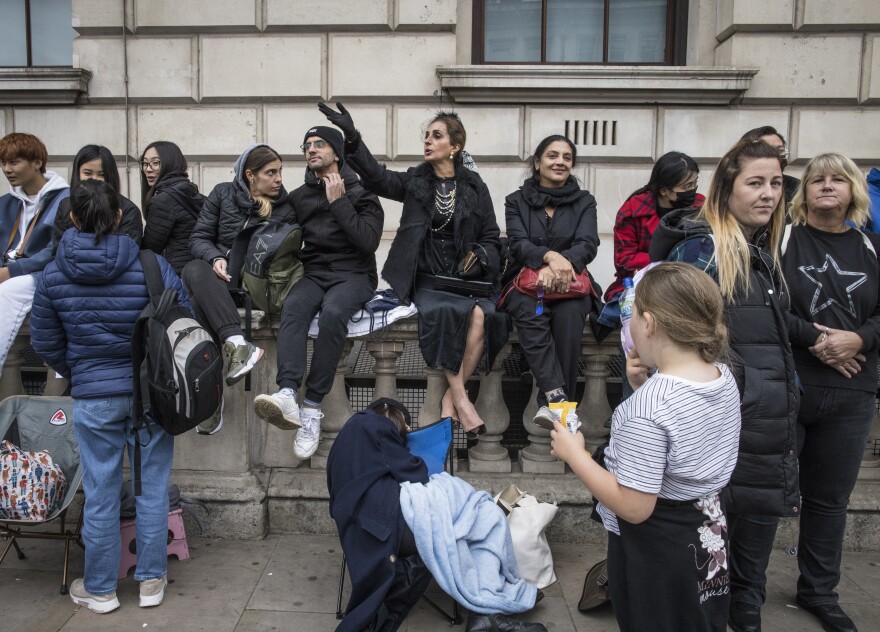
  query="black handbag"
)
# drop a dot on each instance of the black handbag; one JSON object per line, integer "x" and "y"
{"x": 463, "y": 287}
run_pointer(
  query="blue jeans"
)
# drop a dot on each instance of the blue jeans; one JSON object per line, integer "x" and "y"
{"x": 103, "y": 431}
{"x": 832, "y": 429}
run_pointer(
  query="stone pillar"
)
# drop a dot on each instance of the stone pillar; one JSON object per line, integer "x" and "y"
{"x": 594, "y": 410}
{"x": 10, "y": 381}
{"x": 337, "y": 409}
{"x": 435, "y": 388}
{"x": 488, "y": 455}
{"x": 536, "y": 458}
{"x": 385, "y": 354}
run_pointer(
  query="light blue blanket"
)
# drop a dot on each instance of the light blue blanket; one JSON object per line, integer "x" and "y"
{"x": 464, "y": 540}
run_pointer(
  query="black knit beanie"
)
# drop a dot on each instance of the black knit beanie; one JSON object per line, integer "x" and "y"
{"x": 392, "y": 403}
{"x": 332, "y": 136}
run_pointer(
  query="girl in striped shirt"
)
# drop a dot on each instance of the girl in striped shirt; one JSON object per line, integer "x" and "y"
{"x": 673, "y": 447}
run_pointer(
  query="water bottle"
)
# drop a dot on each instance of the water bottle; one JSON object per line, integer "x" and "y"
{"x": 626, "y": 307}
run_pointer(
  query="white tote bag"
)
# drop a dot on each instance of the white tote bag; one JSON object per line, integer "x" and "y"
{"x": 528, "y": 518}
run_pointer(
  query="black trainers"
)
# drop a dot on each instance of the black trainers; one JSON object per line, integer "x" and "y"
{"x": 832, "y": 617}
{"x": 744, "y": 617}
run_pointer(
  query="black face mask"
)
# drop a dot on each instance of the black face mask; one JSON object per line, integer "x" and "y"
{"x": 683, "y": 199}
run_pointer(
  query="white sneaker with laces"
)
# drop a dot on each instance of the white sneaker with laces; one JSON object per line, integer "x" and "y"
{"x": 278, "y": 409}
{"x": 545, "y": 418}
{"x": 102, "y": 604}
{"x": 152, "y": 592}
{"x": 309, "y": 435}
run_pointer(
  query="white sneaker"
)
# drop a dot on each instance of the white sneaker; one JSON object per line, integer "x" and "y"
{"x": 279, "y": 409}
{"x": 102, "y": 604}
{"x": 152, "y": 592}
{"x": 309, "y": 436}
{"x": 545, "y": 418}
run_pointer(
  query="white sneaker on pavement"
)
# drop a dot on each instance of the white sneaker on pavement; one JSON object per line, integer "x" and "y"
{"x": 102, "y": 604}
{"x": 152, "y": 592}
{"x": 278, "y": 409}
{"x": 309, "y": 435}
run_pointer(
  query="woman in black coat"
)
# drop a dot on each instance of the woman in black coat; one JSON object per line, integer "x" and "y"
{"x": 447, "y": 229}
{"x": 170, "y": 201}
{"x": 95, "y": 162}
{"x": 551, "y": 225}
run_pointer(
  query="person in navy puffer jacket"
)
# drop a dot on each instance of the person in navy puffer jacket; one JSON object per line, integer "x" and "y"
{"x": 85, "y": 307}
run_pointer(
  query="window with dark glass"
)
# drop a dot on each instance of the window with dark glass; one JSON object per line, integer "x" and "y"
{"x": 579, "y": 31}
{"x": 36, "y": 33}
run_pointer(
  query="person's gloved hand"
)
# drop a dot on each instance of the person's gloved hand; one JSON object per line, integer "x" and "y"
{"x": 341, "y": 119}
{"x": 470, "y": 266}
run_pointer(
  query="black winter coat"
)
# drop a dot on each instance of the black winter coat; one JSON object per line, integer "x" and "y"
{"x": 473, "y": 222}
{"x": 132, "y": 221}
{"x": 225, "y": 213}
{"x": 343, "y": 236}
{"x": 572, "y": 232}
{"x": 765, "y": 480}
{"x": 366, "y": 465}
{"x": 171, "y": 216}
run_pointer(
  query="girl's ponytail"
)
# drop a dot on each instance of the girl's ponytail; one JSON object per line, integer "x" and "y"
{"x": 96, "y": 207}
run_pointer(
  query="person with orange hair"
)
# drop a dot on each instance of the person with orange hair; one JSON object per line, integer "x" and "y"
{"x": 27, "y": 218}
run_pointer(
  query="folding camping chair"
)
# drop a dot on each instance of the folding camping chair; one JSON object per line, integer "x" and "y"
{"x": 43, "y": 423}
{"x": 433, "y": 444}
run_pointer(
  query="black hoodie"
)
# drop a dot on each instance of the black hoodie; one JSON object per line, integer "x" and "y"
{"x": 765, "y": 480}
{"x": 171, "y": 215}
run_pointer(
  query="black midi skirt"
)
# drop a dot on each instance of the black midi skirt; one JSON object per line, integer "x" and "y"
{"x": 443, "y": 327}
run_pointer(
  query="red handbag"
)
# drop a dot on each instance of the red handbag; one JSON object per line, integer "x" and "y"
{"x": 527, "y": 283}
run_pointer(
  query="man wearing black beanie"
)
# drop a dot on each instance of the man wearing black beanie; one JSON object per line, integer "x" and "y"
{"x": 342, "y": 226}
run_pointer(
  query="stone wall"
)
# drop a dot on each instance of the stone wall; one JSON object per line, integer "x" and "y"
{"x": 216, "y": 75}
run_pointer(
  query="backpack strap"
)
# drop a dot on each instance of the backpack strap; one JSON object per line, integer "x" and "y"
{"x": 786, "y": 235}
{"x": 866, "y": 241}
{"x": 152, "y": 275}
{"x": 237, "y": 254}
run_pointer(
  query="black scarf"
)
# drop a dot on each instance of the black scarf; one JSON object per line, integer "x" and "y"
{"x": 542, "y": 197}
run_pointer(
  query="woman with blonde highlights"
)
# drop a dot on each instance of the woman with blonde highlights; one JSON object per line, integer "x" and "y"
{"x": 831, "y": 271}
{"x": 735, "y": 238}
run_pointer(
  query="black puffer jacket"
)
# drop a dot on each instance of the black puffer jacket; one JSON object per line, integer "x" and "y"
{"x": 342, "y": 236}
{"x": 473, "y": 223}
{"x": 765, "y": 480}
{"x": 228, "y": 209}
{"x": 572, "y": 232}
{"x": 132, "y": 222}
{"x": 171, "y": 216}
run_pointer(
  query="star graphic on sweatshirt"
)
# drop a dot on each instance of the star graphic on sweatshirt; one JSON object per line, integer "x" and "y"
{"x": 830, "y": 275}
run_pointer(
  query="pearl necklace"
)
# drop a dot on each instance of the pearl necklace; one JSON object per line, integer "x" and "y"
{"x": 444, "y": 204}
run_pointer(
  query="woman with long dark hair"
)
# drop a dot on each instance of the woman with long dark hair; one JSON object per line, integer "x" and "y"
{"x": 95, "y": 162}
{"x": 447, "y": 234}
{"x": 551, "y": 225}
{"x": 171, "y": 202}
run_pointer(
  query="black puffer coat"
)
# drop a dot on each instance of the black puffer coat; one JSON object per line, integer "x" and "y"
{"x": 342, "y": 236}
{"x": 228, "y": 209}
{"x": 473, "y": 223}
{"x": 132, "y": 222}
{"x": 765, "y": 480}
{"x": 171, "y": 216}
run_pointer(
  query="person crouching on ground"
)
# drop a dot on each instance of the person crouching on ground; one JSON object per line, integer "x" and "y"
{"x": 342, "y": 226}
{"x": 85, "y": 307}
{"x": 673, "y": 448}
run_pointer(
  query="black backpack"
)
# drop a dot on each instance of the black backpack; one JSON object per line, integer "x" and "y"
{"x": 175, "y": 360}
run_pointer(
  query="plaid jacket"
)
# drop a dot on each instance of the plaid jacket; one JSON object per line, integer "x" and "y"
{"x": 636, "y": 222}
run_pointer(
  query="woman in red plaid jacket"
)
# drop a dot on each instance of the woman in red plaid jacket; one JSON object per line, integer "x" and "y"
{"x": 673, "y": 184}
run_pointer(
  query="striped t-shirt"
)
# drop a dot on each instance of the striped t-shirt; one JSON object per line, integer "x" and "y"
{"x": 675, "y": 438}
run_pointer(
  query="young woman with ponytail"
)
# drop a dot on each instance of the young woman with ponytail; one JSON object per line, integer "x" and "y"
{"x": 85, "y": 307}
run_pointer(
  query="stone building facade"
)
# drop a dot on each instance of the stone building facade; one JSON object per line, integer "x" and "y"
{"x": 216, "y": 75}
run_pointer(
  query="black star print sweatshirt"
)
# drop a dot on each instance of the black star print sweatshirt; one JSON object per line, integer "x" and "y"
{"x": 834, "y": 280}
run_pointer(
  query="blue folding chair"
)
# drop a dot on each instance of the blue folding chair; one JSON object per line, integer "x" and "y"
{"x": 433, "y": 443}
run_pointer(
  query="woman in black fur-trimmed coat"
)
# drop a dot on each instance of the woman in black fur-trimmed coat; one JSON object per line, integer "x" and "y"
{"x": 447, "y": 228}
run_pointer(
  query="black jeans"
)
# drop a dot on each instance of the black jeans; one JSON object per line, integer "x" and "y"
{"x": 338, "y": 296}
{"x": 211, "y": 300}
{"x": 751, "y": 542}
{"x": 550, "y": 341}
{"x": 832, "y": 429}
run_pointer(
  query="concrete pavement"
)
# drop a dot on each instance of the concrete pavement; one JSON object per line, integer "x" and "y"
{"x": 289, "y": 582}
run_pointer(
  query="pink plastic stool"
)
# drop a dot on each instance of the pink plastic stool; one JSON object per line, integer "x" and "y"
{"x": 177, "y": 545}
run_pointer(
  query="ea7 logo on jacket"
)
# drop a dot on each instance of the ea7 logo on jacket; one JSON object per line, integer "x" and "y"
{"x": 59, "y": 418}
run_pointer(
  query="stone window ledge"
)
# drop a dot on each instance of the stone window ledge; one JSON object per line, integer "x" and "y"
{"x": 636, "y": 85}
{"x": 43, "y": 86}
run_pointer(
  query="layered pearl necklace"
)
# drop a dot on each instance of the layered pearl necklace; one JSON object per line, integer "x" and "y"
{"x": 444, "y": 204}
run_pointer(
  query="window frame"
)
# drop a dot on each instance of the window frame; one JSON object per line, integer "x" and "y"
{"x": 28, "y": 42}
{"x": 674, "y": 55}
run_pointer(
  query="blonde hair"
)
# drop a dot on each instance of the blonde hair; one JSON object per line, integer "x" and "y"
{"x": 731, "y": 247}
{"x": 687, "y": 305}
{"x": 837, "y": 164}
{"x": 256, "y": 160}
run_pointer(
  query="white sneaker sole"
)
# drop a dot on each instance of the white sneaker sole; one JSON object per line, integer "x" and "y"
{"x": 269, "y": 411}
{"x": 101, "y": 607}
{"x": 543, "y": 422}
{"x": 152, "y": 600}
{"x": 246, "y": 368}
{"x": 306, "y": 455}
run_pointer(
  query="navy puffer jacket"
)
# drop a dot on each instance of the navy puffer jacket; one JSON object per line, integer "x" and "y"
{"x": 86, "y": 303}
